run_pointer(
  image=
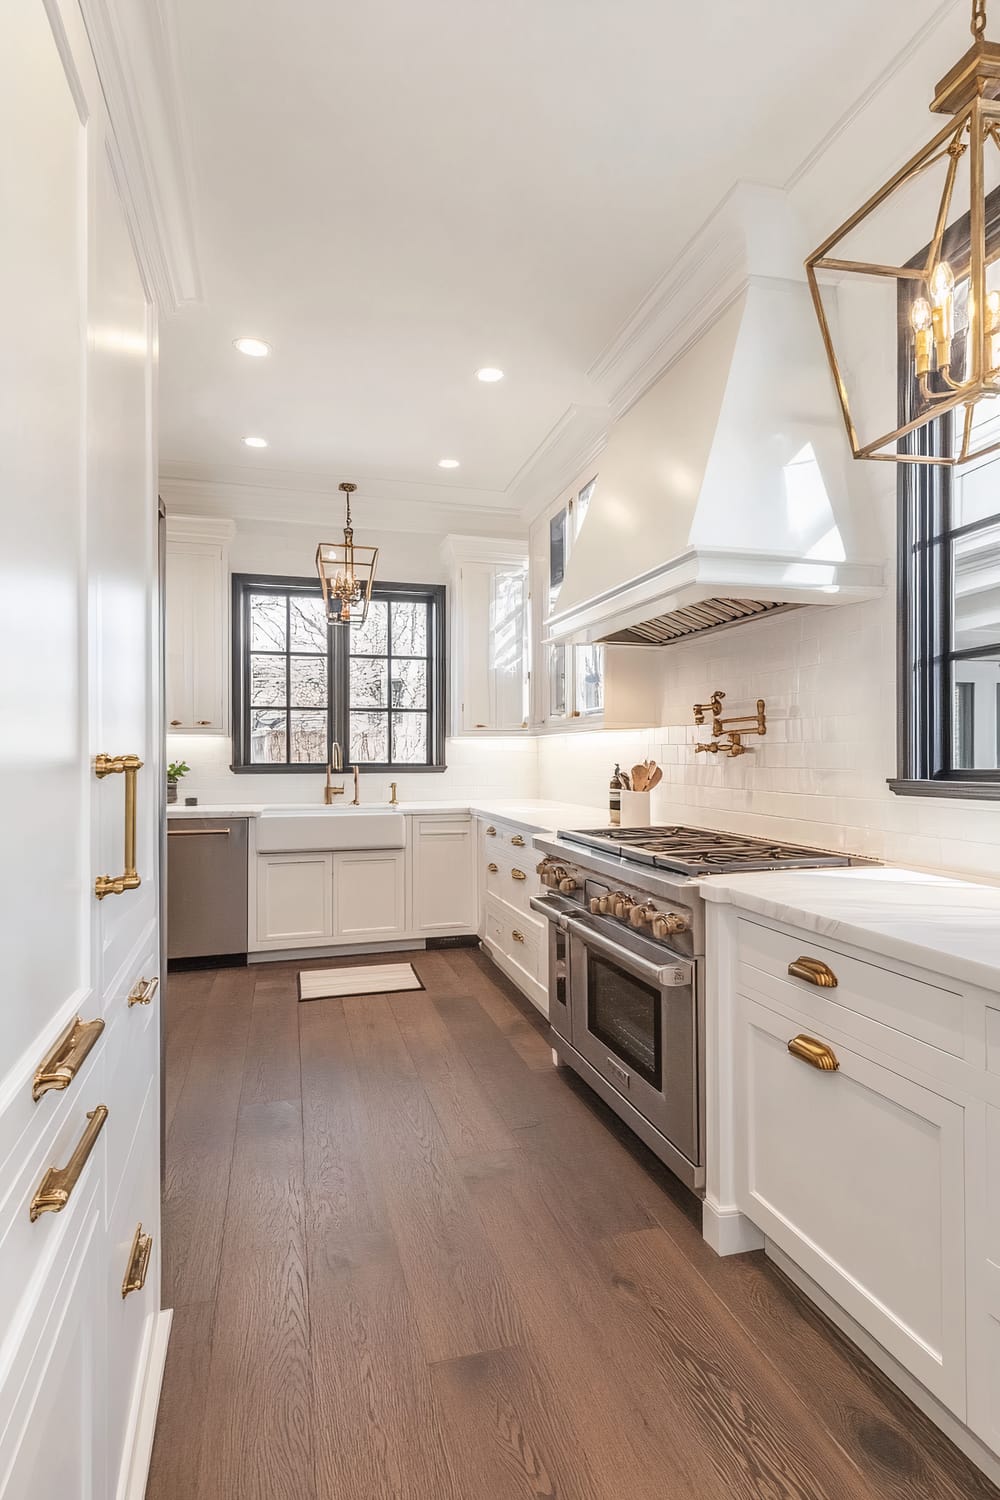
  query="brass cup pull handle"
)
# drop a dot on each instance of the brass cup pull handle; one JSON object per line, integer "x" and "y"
{"x": 56, "y": 1187}
{"x": 518, "y": 875}
{"x": 129, "y": 766}
{"x": 491, "y": 832}
{"x": 142, "y": 992}
{"x": 517, "y": 936}
{"x": 517, "y": 841}
{"x": 493, "y": 869}
{"x": 58, "y": 1069}
{"x": 138, "y": 1262}
{"x": 817, "y": 1054}
{"x": 813, "y": 971}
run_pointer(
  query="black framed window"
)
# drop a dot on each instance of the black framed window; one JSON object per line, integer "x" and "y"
{"x": 300, "y": 683}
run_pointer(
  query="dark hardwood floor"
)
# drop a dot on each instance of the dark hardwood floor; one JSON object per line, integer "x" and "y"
{"x": 409, "y": 1258}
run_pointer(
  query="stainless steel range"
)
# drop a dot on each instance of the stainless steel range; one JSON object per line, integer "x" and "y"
{"x": 626, "y": 967}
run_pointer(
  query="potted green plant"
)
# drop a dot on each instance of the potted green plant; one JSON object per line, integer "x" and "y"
{"x": 175, "y": 770}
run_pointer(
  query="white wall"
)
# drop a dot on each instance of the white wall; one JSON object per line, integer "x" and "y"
{"x": 496, "y": 767}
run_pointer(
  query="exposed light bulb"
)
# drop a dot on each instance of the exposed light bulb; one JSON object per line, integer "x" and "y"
{"x": 920, "y": 315}
{"x": 942, "y": 283}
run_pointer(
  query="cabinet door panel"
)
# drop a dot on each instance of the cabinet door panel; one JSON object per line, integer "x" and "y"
{"x": 444, "y": 875}
{"x": 369, "y": 895}
{"x": 984, "y": 1282}
{"x": 294, "y": 899}
{"x": 858, "y": 1175}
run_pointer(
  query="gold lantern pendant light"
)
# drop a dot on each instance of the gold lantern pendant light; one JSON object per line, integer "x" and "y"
{"x": 346, "y": 572}
{"x": 919, "y": 265}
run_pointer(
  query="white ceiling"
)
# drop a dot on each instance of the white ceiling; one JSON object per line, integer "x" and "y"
{"x": 394, "y": 194}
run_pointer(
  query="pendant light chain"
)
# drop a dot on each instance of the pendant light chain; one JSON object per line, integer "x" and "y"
{"x": 978, "y": 18}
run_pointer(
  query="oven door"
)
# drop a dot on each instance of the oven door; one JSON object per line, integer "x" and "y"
{"x": 556, "y": 910}
{"x": 635, "y": 1022}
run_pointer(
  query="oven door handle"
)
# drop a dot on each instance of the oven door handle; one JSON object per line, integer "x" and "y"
{"x": 547, "y": 907}
{"x": 663, "y": 976}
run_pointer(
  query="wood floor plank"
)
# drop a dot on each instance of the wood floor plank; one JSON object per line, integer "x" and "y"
{"x": 461, "y": 1300}
{"x": 521, "y": 1095}
{"x": 201, "y": 1142}
{"x": 271, "y": 1069}
{"x": 470, "y": 1123}
{"x": 510, "y": 1431}
{"x": 258, "y": 1430}
{"x": 710, "y": 1381}
{"x": 507, "y": 1010}
{"x": 568, "y": 1310}
{"x": 176, "y": 1456}
{"x": 184, "y": 997}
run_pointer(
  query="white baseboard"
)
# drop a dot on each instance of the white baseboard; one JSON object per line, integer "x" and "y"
{"x": 337, "y": 950}
{"x": 144, "y": 1421}
{"x": 970, "y": 1445}
{"x": 728, "y": 1231}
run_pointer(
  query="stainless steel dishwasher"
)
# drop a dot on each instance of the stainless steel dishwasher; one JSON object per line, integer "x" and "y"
{"x": 206, "y": 888}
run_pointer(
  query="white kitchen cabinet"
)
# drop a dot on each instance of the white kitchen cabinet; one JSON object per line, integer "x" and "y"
{"x": 443, "y": 886}
{"x": 514, "y": 936}
{"x": 197, "y": 633}
{"x": 294, "y": 900}
{"x": 489, "y": 635}
{"x": 369, "y": 895}
{"x": 858, "y": 1175}
{"x": 984, "y": 1252}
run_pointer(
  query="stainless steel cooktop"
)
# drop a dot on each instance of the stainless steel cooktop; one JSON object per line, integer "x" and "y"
{"x": 701, "y": 851}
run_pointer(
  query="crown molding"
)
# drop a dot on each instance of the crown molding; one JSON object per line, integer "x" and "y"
{"x": 314, "y": 501}
{"x": 135, "y": 54}
{"x": 574, "y": 441}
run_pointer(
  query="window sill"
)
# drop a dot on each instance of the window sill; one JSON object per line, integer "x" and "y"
{"x": 320, "y": 770}
{"x": 969, "y": 790}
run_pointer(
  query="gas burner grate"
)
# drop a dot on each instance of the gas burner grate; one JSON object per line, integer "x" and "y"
{"x": 702, "y": 851}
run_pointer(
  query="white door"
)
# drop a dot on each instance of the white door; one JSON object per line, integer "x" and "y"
{"x": 78, "y": 621}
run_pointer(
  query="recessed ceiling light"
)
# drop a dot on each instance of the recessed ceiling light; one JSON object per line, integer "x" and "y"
{"x": 256, "y": 348}
{"x": 488, "y": 374}
{"x": 255, "y": 442}
{"x": 447, "y": 463}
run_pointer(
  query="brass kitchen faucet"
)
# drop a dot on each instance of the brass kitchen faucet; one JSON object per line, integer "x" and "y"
{"x": 726, "y": 739}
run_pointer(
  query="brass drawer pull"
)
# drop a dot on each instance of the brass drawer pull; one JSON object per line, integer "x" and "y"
{"x": 813, "y": 971}
{"x": 129, "y": 766}
{"x": 67, "y": 1057}
{"x": 816, "y": 1054}
{"x": 58, "y": 1183}
{"x": 518, "y": 875}
{"x": 199, "y": 833}
{"x": 142, "y": 992}
{"x": 491, "y": 831}
{"x": 517, "y": 936}
{"x": 493, "y": 869}
{"x": 138, "y": 1262}
{"x": 517, "y": 841}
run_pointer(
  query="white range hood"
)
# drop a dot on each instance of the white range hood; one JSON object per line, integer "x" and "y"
{"x": 728, "y": 490}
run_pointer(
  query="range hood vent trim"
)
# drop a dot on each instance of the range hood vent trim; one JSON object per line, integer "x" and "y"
{"x": 695, "y": 619}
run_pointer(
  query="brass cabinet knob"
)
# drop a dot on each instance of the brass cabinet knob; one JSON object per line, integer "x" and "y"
{"x": 142, "y": 992}
{"x": 517, "y": 936}
{"x": 203, "y": 722}
{"x": 813, "y": 971}
{"x": 517, "y": 841}
{"x": 491, "y": 831}
{"x": 518, "y": 875}
{"x": 817, "y": 1054}
{"x": 175, "y": 722}
{"x": 492, "y": 868}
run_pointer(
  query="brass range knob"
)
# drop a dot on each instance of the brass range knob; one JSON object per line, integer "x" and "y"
{"x": 624, "y": 906}
{"x": 595, "y": 905}
{"x": 642, "y": 916}
{"x": 668, "y": 925}
{"x": 567, "y": 885}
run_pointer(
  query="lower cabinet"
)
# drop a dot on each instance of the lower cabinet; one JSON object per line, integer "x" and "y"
{"x": 857, "y": 1173}
{"x": 517, "y": 944}
{"x": 444, "y": 896}
{"x": 984, "y": 1275}
{"x": 294, "y": 900}
{"x": 369, "y": 895}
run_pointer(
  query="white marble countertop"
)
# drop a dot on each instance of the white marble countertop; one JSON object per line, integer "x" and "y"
{"x": 532, "y": 814}
{"x": 949, "y": 926}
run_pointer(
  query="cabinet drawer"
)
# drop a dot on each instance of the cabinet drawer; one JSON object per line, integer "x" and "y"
{"x": 516, "y": 841}
{"x": 517, "y": 937}
{"x": 511, "y": 880}
{"x": 132, "y": 1042}
{"x": 858, "y": 1175}
{"x": 866, "y": 991}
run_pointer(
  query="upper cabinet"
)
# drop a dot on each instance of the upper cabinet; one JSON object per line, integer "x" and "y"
{"x": 196, "y": 580}
{"x": 580, "y": 686}
{"x": 489, "y": 635}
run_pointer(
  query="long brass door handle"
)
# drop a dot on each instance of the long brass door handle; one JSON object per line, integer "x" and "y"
{"x": 58, "y": 1069}
{"x": 129, "y": 766}
{"x": 142, "y": 992}
{"x": 56, "y": 1187}
{"x": 138, "y": 1262}
{"x": 813, "y": 971}
{"x": 817, "y": 1054}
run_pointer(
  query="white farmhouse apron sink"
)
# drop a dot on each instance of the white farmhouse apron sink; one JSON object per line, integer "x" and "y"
{"x": 293, "y": 828}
